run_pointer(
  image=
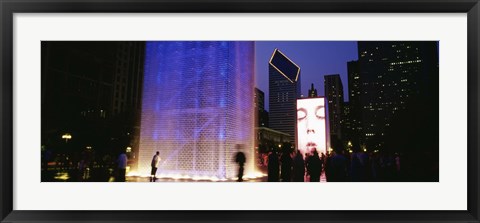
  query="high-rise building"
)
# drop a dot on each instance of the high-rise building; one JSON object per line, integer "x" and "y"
{"x": 261, "y": 113}
{"x": 312, "y": 93}
{"x": 77, "y": 82}
{"x": 354, "y": 106}
{"x": 83, "y": 85}
{"x": 334, "y": 93}
{"x": 392, "y": 77}
{"x": 347, "y": 127}
{"x": 128, "y": 78}
{"x": 198, "y": 107}
{"x": 127, "y": 93}
{"x": 284, "y": 89}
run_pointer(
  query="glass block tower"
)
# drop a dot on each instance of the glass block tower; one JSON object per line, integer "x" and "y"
{"x": 198, "y": 105}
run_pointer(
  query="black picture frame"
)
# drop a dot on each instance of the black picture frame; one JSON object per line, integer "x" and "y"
{"x": 9, "y": 7}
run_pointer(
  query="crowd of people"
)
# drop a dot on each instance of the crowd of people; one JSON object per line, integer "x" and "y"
{"x": 338, "y": 166}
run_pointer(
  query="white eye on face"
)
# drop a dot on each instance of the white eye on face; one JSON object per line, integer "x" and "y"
{"x": 320, "y": 112}
{"x": 301, "y": 114}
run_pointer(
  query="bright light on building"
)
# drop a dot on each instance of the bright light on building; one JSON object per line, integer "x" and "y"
{"x": 197, "y": 107}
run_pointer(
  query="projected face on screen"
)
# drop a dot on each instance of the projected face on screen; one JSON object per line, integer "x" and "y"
{"x": 311, "y": 125}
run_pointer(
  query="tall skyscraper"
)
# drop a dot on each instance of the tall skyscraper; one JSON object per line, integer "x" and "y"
{"x": 261, "y": 113}
{"x": 128, "y": 77}
{"x": 127, "y": 93}
{"x": 312, "y": 93}
{"x": 334, "y": 93}
{"x": 84, "y": 84}
{"x": 354, "y": 106}
{"x": 197, "y": 107}
{"x": 284, "y": 89}
{"x": 347, "y": 127}
{"x": 393, "y": 77}
{"x": 77, "y": 82}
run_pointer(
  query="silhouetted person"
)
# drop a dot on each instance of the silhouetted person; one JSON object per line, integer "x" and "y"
{"x": 397, "y": 166}
{"x": 298, "y": 167}
{"x": 273, "y": 168}
{"x": 356, "y": 169}
{"x": 327, "y": 166}
{"x": 338, "y": 167}
{"x": 81, "y": 170}
{"x": 323, "y": 159}
{"x": 286, "y": 171}
{"x": 314, "y": 167}
{"x": 360, "y": 166}
{"x": 240, "y": 159}
{"x": 155, "y": 161}
{"x": 46, "y": 157}
{"x": 121, "y": 167}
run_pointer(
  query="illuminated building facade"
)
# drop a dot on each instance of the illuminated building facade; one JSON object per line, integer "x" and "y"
{"x": 198, "y": 104}
{"x": 389, "y": 78}
{"x": 334, "y": 92}
{"x": 284, "y": 89}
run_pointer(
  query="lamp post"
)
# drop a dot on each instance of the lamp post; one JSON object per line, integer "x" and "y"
{"x": 66, "y": 136}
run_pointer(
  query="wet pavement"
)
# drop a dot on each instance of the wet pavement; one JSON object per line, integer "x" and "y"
{"x": 107, "y": 175}
{"x": 147, "y": 179}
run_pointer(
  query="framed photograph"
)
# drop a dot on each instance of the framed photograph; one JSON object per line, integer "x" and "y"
{"x": 191, "y": 111}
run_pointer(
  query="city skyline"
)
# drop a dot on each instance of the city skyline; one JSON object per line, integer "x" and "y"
{"x": 389, "y": 93}
{"x": 315, "y": 59}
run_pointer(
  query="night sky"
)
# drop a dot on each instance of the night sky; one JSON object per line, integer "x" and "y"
{"x": 315, "y": 59}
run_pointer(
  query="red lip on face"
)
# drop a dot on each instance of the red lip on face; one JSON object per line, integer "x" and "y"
{"x": 311, "y": 144}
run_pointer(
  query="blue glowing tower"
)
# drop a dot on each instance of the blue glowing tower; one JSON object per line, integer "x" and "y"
{"x": 198, "y": 104}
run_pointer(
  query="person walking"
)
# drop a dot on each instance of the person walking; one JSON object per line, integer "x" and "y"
{"x": 314, "y": 167}
{"x": 298, "y": 167}
{"x": 121, "y": 166}
{"x": 240, "y": 159}
{"x": 286, "y": 170}
{"x": 273, "y": 167}
{"x": 155, "y": 161}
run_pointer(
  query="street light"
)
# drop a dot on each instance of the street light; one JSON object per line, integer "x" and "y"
{"x": 66, "y": 136}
